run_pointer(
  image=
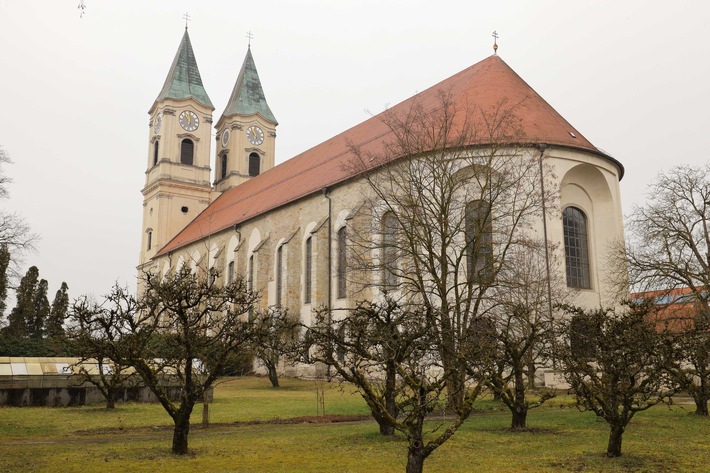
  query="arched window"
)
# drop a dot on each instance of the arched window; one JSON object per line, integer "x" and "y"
{"x": 308, "y": 258}
{"x": 254, "y": 164}
{"x": 479, "y": 242}
{"x": 223, "y": 172}
{"x": 250, "y": 276}
{"x": 389, "y": 250}
{"x": 155, "y": 152}
{"x": 149, "y": 238}
{"x": 574, "y": 229}
{"x": 230, "y": 272}
{"x": 279, "y": 274}
{"x": 342, "y": 262}
{"x": 187, "y": 151}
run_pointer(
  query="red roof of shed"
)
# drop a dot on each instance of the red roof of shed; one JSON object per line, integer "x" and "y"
{"x": 484, "y": 84}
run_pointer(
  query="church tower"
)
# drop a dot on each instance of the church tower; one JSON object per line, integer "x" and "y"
{"x": 246, "y": 131}
{"x": 177, "y": 185}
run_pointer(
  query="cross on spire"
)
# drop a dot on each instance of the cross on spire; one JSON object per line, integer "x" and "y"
{"x": 187, "y": 18}
{"x": 250, "y": 36}
{"x": 495, "y": 42}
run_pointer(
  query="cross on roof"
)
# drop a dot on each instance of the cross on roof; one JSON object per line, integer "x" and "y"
{"x": 187, "y": 18}
{"x": 495, "y": 42}
{"x": 249, "y": 37}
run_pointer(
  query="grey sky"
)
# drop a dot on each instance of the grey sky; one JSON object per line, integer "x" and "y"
{"x": 632, "y": 76}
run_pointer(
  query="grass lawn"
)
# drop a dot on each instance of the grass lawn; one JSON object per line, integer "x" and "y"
{"x": 137, "y": 437}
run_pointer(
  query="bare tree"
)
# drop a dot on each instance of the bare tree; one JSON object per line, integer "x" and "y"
{"x": 15, "y": 233}
{"x": 521, "y": 324}
{"x": 447, "y": 199}
{"x": 669, "y": 248}
{"x": 389, "y": 353}
{"x": 279, "y": 338}
{"x": 615, "y": 362}
{"x": 95, "y": 337}
{"x": 178, "y": 336}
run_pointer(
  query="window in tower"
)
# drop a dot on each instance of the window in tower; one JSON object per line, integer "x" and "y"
{"x": 149, "y": 238}
{"x": 187, "y": 151}
{"x": 155, "y": 152}
{"x": 254, "y": 164}
{"x": 223, "y": 173}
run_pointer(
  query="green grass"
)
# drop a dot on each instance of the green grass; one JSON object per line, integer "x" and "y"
{"x": 136, "y": 437}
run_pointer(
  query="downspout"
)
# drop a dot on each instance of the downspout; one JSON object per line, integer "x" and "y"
{"x": 542, "y": 149}
{"x": 330, "y": 257}
{"x": 330, "y": 248}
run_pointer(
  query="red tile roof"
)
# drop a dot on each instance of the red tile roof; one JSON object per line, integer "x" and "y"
{"x": 484, "y": 84}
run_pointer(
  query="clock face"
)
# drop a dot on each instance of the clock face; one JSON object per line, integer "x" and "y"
{"x": 225, "y": 138}
{"x": 255, "y": 135}
{"x": 157, "y": 121}
{"x": 189, "y": 121}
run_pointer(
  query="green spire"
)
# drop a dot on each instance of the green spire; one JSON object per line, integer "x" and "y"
{"x": 184, "y": 81}
{"x": 248, "y": 96}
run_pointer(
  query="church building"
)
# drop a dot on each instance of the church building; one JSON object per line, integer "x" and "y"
{"x": 285, "y": 228}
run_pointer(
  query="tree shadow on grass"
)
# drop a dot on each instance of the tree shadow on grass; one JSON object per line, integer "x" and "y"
{"x": 598, "y": 461}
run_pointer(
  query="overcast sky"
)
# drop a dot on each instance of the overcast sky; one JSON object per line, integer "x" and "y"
{"x": 632, "y": 76}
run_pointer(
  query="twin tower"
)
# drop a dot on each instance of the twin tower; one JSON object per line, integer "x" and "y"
{"x": 177, "y": 185}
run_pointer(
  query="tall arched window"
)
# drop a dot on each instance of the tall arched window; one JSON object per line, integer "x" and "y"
{"x": 254, "y": 164}
{"x": 479, "y": 242}
{"x": 389, "y": 250}
{"x": 342, "y": 262}
{"x": 279, "y": 274}
{"x": 155, "y": 152}
{"x": 308, "y": 270}
{"x": 250, "y": 276}
{"x": 223, "y": 172}
{"x": 187, "y": 151}
{"x": 574, "y": 229}
{"x": 149, "y": 237}
{"x": 230, "y": 272}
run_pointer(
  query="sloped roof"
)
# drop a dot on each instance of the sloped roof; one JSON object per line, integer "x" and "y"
{"x": 484, "y": 84}
{"x": 248, "y": 96}
{"x": 184, "y": 81}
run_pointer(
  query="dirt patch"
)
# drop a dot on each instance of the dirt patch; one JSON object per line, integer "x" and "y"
{"x": 326, "y": 419}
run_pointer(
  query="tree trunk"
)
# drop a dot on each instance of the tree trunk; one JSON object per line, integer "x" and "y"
{"x": 205, "y": 411}
{"x": 273, "y": 375}
{"x": 110, "y": 403}
{"x": 700, "y": 396}
{"x": 520, "y": 409}
{"x": 613, "y": 449}
{"x": 180, "y": 433}
{"x": 455, "y": 387}
{"x": 415, "y": 457}
{"x": 387, "y": 427}
{"x": 519, "y": 421}
{"x": 701, "y": 407}
{"x": 531, "y": 371}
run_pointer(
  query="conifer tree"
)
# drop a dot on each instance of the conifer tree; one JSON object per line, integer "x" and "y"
{"x": 23, "y": 313}
{"x": 54, "y": 327}
{"x": 40, "y": 305}
{"x": 4, "y": 263}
